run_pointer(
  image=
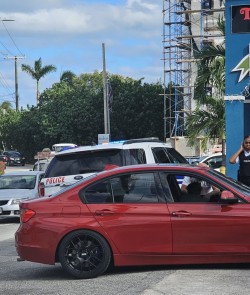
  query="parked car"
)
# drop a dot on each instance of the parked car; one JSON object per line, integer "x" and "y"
{"x": 137, "y": 215}
{"x": 14, "y": 158}
{"x": 193, "y": 160}
{"x": 214, "y": 161}
{"x": 15, "y": 187}
{"x": 41, "y": 165}
{"x": 74, "y": 164}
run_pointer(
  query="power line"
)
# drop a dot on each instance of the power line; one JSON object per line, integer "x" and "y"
{"x": 12, "y": 39}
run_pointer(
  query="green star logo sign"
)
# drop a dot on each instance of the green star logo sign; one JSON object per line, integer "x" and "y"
{"x": 243, "y": 67}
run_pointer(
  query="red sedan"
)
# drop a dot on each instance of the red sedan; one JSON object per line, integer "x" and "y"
{"x": 138, "y": 215}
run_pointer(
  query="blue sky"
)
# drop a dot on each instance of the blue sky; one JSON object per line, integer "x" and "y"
{"x": 69, "y": 34}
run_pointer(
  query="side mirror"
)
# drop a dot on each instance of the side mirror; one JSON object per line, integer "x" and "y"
{"x": 228, "y": 198}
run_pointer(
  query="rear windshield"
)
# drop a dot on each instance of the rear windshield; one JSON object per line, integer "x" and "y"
{"x": 87, "y": 162}
{"x": 17, "y": 181}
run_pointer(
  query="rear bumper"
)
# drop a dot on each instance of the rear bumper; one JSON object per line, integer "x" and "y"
{"x": 33, "y": 252}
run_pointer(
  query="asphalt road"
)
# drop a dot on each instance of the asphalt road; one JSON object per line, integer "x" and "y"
{"x": 27, "y": 278}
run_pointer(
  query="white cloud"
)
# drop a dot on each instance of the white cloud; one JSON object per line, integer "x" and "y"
{"x": 69, "y": 34}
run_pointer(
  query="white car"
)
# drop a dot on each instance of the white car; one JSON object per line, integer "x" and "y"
{"x": 16, "y": 187}
{"x": 70, "y": 166}
{"x": 41, "y": 165}
{"x": 214, "y": 161}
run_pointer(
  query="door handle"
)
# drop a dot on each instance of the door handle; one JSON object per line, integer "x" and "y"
{"x": 103, "y": 212}
{"x": 181, "y": 213}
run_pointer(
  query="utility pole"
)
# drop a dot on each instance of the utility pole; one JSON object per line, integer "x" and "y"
{"x": 16, "y": 78}
{"x": 105, "y": 95}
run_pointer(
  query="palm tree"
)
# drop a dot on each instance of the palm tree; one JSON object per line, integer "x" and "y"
{"x": 209, "y": 122}
{"x": 211, "y": 68}
{"x": 38, "y": 72}
{"x": 208, "y": 119}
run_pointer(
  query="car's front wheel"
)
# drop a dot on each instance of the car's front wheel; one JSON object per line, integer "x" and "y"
{"x": 84, "y": 254}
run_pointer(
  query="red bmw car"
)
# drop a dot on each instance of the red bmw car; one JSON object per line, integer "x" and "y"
{"x": 138, "y": 215}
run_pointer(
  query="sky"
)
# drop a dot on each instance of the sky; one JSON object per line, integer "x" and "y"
{"x": 69, "y": 35}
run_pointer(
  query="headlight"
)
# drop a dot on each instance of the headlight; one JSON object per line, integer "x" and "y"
{"x": 17, "y": 201}
{"x": 12, "y": 159}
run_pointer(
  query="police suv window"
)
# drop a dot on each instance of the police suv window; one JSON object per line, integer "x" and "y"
{"x": 135, "y": 156}
{"x": 167, "y": 155}
{"x": 86, "y": 162}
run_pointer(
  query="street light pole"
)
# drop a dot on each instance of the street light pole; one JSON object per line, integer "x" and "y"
{"x": 105, "y": 94}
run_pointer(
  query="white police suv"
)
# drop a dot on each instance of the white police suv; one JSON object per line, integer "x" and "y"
{"x": 74, "y": 164}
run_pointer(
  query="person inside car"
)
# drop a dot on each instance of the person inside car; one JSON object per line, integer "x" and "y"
{"x": 197, "y": 188}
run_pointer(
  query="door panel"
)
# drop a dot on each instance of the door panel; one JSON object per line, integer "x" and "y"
{"x": 136, "y": 228}
{"x": 206, "y": 228}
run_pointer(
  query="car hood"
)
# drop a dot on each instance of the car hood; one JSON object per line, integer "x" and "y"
{"x": 6, "y": 194}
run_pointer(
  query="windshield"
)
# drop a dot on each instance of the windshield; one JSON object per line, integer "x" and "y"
{"x": 15, "y": 154}
{"x": 17, "y": 181}
{"x": 232, "y": 182}
{"x": 86, "y": 162}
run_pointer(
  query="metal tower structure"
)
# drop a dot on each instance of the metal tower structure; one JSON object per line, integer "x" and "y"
{"x": 187, "y": 27}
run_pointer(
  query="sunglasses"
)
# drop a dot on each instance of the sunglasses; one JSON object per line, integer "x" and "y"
{"x": 247, "y": 142}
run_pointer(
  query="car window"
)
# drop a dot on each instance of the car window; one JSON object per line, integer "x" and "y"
{"x": 167, "y": 155}
{"x": 80, "y": 163}
{"x": 194, "y": 188}
{"x": 135, "y": 156}
{"x": 40, "y": 166}
{"x": 215, "y": 162}
{"x": 128, "y": 188}
{"x": 17, "y": 181}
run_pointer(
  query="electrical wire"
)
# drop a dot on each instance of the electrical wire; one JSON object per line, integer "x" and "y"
{"x": 12, "y": 39}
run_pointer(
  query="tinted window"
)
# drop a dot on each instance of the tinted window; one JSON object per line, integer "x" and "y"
{"x": 135, "y": 156}
{"x": 13, "y": 154}
{"x": 167, "y": 155}
{"x": 215, "y": 162}
{"x": 129, "y": 188}
{"x": 85, "y": 162}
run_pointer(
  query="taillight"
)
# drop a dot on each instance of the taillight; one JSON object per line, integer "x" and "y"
{"x": 41, "y": 189}
{"x": 26, "y": 215}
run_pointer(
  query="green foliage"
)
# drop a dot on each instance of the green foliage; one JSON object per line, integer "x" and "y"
{"x": 208, "y": 118}
{"x": 73, "y": 111}
{"x": 208, "y": 122}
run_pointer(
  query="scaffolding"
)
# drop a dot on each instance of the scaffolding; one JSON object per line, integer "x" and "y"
{"x": 187, "y": 27}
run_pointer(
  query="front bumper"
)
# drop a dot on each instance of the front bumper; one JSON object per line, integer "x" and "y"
{"x": 9, "y": 211}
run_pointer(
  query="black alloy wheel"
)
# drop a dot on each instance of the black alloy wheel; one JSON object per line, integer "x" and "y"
{"x": 84, "y": 254}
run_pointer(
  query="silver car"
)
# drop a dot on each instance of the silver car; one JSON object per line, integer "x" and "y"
{"x": 16, "y": 187}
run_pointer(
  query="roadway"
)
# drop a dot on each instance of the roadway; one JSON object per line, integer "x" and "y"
{"x": 27, "y": 278}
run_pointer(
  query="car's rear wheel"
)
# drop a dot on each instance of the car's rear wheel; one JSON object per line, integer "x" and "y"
{"x": 84, "y": 254}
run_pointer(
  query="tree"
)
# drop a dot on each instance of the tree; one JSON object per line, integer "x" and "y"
{"x": 6, "y": 106}
{"x": 38, "y": 72}
{"x": 67, "y": 77}
{"x": 208, "y": 119}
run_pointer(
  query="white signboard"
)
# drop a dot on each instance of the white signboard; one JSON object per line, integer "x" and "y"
{"x": 103, "y": 138}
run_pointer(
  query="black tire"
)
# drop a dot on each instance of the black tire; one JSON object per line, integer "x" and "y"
{"x": 84, "y": 254}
